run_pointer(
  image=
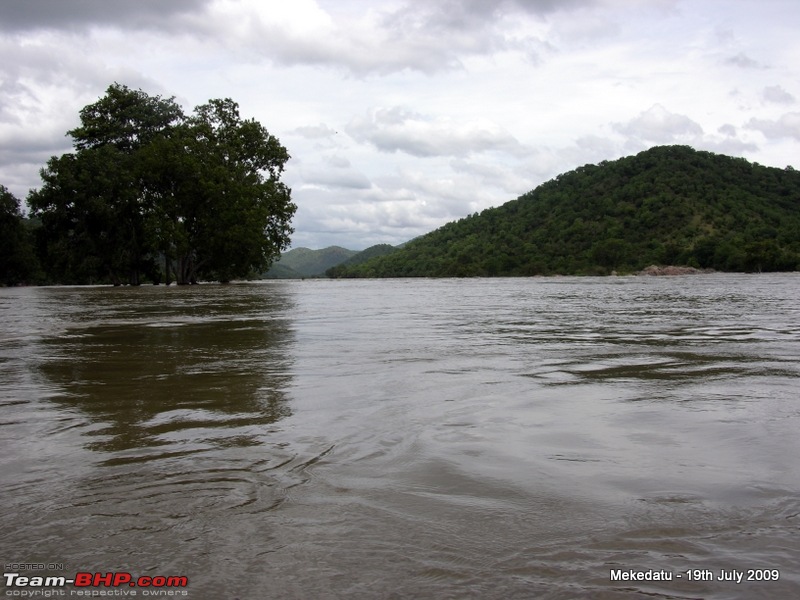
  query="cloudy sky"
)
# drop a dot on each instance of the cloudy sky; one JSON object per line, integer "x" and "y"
{"x": 402, "y": 115}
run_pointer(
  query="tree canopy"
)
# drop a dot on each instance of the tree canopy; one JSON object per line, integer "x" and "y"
{"x": 670, "y": 205}
{"x": 153, "y": 193}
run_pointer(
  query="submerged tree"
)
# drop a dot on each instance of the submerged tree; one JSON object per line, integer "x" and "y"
{"x": 147, "y": 186}
{"x": 221, "y": 207}
{"x": 17, "y": 259}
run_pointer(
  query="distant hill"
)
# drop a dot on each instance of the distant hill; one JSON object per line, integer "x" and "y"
{"x": 361, "y": 257}
{"x": 670, "y": 205}
{"x": 303, "y": 262}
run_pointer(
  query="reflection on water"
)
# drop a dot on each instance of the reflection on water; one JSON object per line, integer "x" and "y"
{"x": 147, "y": 382}
{"x": 156, "y": 402}
{"x": 169, "y": 363}
{"x": 407, "y": 439}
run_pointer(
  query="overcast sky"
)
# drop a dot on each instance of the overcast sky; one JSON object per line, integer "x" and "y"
{"x": 402, "y": 115}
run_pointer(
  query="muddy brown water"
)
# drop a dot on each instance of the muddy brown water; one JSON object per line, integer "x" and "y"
{"x": 492, "y": 438}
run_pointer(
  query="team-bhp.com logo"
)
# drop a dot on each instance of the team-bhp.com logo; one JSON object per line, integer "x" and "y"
{"x": 158, "y": 585}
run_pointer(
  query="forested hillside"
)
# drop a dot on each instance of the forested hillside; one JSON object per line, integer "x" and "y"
{"x": 361, "y": 257}
{"x": 304, "y": 262}
{"x": 667, "y": 205}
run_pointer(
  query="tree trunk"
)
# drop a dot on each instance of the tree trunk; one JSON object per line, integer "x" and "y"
{"x": 167, "y": 279}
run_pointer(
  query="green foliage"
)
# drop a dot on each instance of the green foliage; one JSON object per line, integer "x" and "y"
{"x": 125, "y": 119}
{"x": 149, "y": 187}
{"x": 667, "y": 205}
{"x": 18, "y": 262}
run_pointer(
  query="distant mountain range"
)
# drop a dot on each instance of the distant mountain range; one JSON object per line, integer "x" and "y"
{"x": 300, "y": 263}
{"x": 304, "y": 262}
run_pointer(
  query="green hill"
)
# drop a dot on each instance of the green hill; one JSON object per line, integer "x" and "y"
{"x": 361, "y": 257}
{"x": 303, "y": 262}
{"x": 670, "y": 205}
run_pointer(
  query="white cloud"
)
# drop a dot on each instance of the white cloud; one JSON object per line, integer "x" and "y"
{"x": 659, "y": 125}
{"x": 787, "y": 126}
{"x": 400, "y": 129}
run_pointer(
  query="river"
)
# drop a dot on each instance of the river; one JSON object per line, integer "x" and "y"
{"x": 620, "y": 437}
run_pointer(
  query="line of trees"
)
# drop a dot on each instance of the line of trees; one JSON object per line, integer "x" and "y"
{"x": 153, "y": 194}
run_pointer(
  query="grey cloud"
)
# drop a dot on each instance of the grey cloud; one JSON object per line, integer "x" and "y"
{"x": 427, "y": 36}
{"x": 443, "y": 16}
{"x": 424, "y": 36}
{"x": 788, "y": 126}
{"x": 42, "y": 89}
{"x": 659, "y": 125}
{"x": 378, "y": 215}
{"x": 548, "y": 6}
{"x": 357, "y": 218}
{"x": 727, "y": 130}
{"x": 31, "y": 146}
{"x": 400, "y": 130}
{"x": 381, "y": 52}
{"x": 336, "y": 177}
{"x": 23, "y": 154}
{"x": 593, "y": 148}
{"x": 451, "y": 28}
{"x": 488, "y": 172}
{"x": 590, "y": 29}
{"x": 511, "y": 181}
{"x": 25, "y": 66}
{"x": 778, "y": 95}
{"x": 474, "y": 14}
{"x": 729, "y": 146}
{"x": 16, "y": 15}
{"x": 339, "y": 162}
{"x": 743, "y": 61}
{"x": 316, "y": 131}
